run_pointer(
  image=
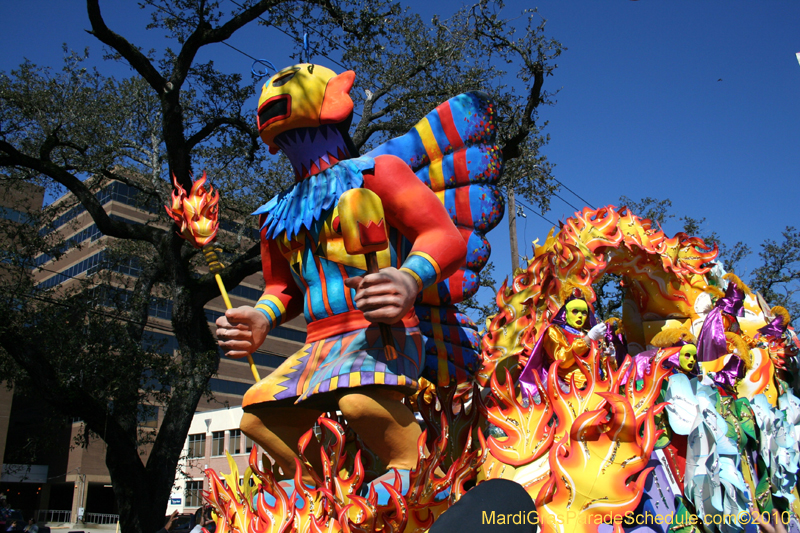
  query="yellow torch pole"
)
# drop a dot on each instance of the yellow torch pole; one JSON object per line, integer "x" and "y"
{"x": 214, "y": 264}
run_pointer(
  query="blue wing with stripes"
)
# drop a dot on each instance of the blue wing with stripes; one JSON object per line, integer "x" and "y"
{"x": 453, "y": 151}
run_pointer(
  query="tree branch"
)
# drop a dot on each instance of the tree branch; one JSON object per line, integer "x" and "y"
{"x": 112, "y": 228}
{"x": 510, "y": 148}
{"x": 245, "y": 265}
{"x": 207, "y": 130}
{"x": 131, "y": 54}
{"x": 204, "y": 34}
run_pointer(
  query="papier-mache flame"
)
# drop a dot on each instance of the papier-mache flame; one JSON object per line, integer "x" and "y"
{"x": 242, "y": 508}
{"x": 459, "y": 406}
{"x": 663, "y": 275}
{"x": 593, "y": 468}
{"x": 196, "y": 213}
{"x": 527, "y": 427}
{"x": 333, "y": 504}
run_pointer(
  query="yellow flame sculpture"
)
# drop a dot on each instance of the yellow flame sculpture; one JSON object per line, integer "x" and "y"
{"x": 333, "y": 504}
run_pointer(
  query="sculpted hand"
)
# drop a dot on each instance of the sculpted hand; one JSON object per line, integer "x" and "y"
{"x": 597, "y": 332}
{"x": 241, "y": 331}
{"x": 386, "y": 296}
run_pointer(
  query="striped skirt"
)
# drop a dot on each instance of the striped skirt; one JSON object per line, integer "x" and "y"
{"x": 346, "y": 361}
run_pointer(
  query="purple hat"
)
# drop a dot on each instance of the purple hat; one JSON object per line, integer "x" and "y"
{"x": 733, "y": 370}
{"x": 733, "y": 301}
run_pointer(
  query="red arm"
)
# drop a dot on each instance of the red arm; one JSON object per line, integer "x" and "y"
{"x": 282, "y": 299}
{"x": 411, "y": 207}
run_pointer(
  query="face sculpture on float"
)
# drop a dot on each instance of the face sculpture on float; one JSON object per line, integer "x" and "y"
{"x": 688, "y": 358}
{"x": 305, "y": 111}
{"x": 577, "y": 314}
{"x": 571, "y": 334}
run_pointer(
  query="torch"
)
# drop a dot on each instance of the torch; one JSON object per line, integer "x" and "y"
{"x": 364, "y": 232}
{"x": 197, "y": 214}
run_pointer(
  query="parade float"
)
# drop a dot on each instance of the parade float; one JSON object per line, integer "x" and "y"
{"x": 678, "y": 415}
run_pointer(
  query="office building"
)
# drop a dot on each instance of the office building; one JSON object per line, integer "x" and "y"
{"x": 76, "y": 479}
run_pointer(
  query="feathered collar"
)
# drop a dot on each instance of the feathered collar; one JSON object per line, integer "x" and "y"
{"x": 302, "y": 204}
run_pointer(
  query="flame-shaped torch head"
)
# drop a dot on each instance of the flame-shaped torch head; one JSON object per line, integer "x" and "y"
{"x": 197, "y": 213}
{"x": 362, "y": 222}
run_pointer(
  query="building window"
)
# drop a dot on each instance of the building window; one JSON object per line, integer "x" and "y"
{"x": 197, "y": 445}
{"x": 236, "y": 441}
{"x": 228, "y": 387}
{"x": 248, "y": 444}
{"x": 194, "y": 493}
{"x": 218, "y": 443}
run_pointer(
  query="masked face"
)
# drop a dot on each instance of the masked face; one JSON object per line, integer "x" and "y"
{"x": 688, "y": 357}
{"x": 577, "y": 314}
{"x": 303, "y": 96}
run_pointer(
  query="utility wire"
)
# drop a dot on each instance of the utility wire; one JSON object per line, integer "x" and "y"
{"x": 566, "y": 202}
{"x": 240, "y": 51}
{"x": 516, "y": 200}
{"x": 537, "y": 214}
{"x": 295, "y": 38}
{"x": 64, "y": 304}
{"x": 573, "y": 192}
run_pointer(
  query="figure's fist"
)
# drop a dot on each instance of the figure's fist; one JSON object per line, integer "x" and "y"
{"x": 597, "y": 332}
{"x": 386, "y": 296}
{"x": 241, "y": 331}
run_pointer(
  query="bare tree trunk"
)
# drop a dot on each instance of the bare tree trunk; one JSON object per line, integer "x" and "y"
{"x": 512, "y": 230}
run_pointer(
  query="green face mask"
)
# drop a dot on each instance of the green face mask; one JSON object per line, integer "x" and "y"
{"x": 688, "y": 357}
{"x": 577, "y": 314}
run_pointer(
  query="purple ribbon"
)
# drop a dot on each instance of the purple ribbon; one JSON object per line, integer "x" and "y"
{"x": 535, "y": 365}
{"x": 773, "y": 329}
{"x": 711, "y": 342}
{"x": 640, "y": 366}
{"x": 644, "y": 360}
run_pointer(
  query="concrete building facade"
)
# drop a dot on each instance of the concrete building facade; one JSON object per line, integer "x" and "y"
{"x": 212, "y": 436}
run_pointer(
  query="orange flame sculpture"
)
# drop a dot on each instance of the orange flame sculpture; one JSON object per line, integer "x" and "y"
{"x": 664, "y": 276}
{"x": 333, "y": 505}
{"x": 425, "y": 484}
{"x": 196, "y": 213}
{"x": 242, "y": 508}
{"x": 521, "y": 455}
{"x": 458, "y": 404}
{"x": 591, "y": 467}
{"x": 531, "y": 428}
{"x": 527, "y": 428}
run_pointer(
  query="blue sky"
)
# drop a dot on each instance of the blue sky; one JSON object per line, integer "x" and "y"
{"x": 694, "y": 101}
